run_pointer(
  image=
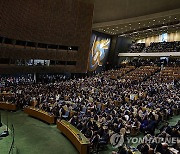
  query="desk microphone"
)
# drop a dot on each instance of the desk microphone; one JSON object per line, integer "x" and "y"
{"x": 79, "y": 136}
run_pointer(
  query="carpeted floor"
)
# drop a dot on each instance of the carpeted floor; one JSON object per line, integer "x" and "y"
{"x": 5, "y": 142}
{"x": 34, "y": 137}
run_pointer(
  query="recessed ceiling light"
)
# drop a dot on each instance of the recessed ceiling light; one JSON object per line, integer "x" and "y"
{"x": 139, "y": 23}
{"x": 113, "y": 29}
{"x": 154, "y": 20}
{"x": 108, "y": 28}
{"x": 104, "y": 30}
{"x": 117, "y": 27}
{"x": 164, "y": 19}
{"x": 175, "y": 18}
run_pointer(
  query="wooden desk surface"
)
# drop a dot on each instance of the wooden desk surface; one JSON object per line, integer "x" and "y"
{"x": 74, "y": 135}
{"x": 42, "y": 115}
{"x": 7, "y": 106}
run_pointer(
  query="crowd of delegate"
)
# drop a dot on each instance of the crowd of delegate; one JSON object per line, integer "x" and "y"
{"x": 100, "y": 106}
{"x": 165, "y": 132}
{"x": 136, "y": 47}
{"x": 163, "y": 47}
{"x": 7, "y": 81}
{"x": 155, "y": 47}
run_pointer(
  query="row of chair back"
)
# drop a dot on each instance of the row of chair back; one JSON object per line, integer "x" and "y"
{"x": 115, "y": 74}
{"x": 139, "y": 74}
{"x": 168, "y": 74}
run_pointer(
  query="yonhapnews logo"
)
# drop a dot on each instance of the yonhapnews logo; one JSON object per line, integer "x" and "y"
{"x": 117, "y": 140}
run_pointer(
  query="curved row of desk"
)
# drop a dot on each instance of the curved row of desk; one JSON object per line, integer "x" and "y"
{"x": 73, "y": 134}
{"x": 8, "y": 106}
{"x": 39, "y": 114}
{"x": 5, "y": 105}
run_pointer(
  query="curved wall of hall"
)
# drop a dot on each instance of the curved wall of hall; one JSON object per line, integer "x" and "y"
{"x": 171, "y": 37}
{"x": 58, "y": 22}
